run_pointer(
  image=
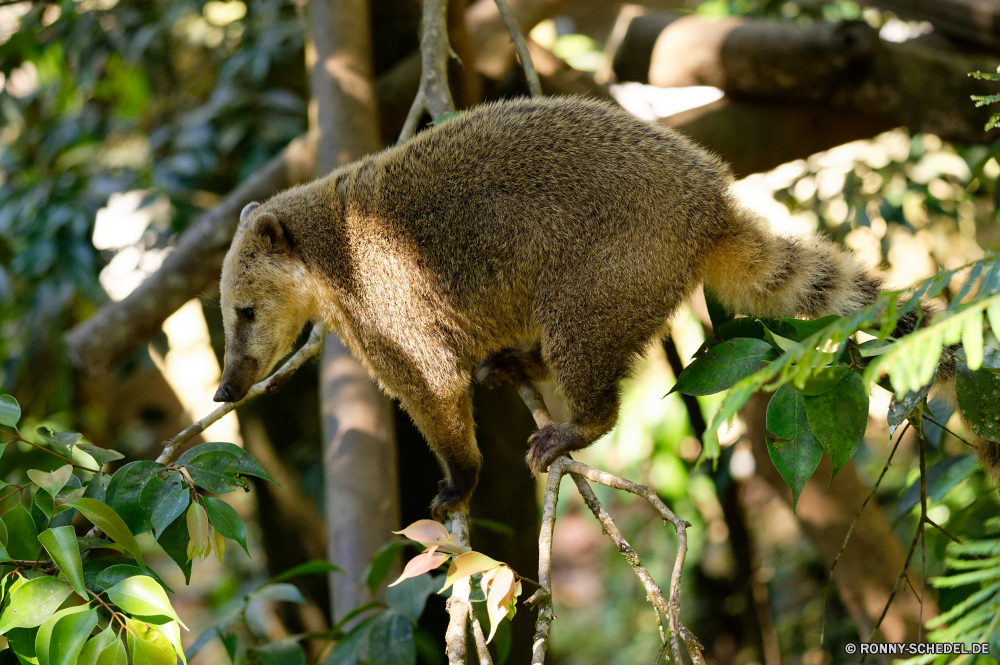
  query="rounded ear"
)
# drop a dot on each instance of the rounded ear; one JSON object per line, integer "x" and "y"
{"x": 247, "y": 209}
{"x": 268, "y": 232}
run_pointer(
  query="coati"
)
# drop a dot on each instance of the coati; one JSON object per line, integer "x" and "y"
{"x": 535, "y": 238}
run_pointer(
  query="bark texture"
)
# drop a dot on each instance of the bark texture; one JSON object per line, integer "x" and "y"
{"x": 359, "y": 443}
{"x": 843, "y": 67}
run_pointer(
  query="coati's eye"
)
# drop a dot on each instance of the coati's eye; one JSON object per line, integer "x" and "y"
{"x": 246, "y": 313}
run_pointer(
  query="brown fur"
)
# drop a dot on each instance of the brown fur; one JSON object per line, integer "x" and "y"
{"x": 522, "y": 238}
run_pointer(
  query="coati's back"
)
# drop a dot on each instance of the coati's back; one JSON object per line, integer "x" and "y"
{"x": 536, "y": 191}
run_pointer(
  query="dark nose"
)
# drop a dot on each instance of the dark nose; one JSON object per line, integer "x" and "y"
{"x": 224, "y": 394}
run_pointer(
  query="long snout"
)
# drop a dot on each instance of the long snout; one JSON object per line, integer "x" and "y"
{"x": 238, "y": 377}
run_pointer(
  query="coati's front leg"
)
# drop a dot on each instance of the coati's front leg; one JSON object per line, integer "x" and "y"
{"x": 439, "y": 400}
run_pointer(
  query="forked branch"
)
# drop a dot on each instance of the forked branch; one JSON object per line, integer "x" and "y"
{"x": 581, "y": 473}
{"x": 434, "y": 95}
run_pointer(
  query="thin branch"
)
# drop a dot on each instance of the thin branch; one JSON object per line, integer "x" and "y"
{"x": 270, "y": 385}
{"x": 459, "y": 608}
{"x": 481, "y": 649}
{"x": 434, "y": 96}
{"x": 581, "y": 473}
{"x": 516, "y": 36}
{"x": 850, "y": 530}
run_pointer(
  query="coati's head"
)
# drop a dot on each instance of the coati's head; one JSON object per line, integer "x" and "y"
{"x": 265, "y": 300}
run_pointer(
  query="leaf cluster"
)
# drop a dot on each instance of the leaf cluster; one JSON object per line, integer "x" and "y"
{"x": 819, "y": 371}
{"x": 66, "y": 598}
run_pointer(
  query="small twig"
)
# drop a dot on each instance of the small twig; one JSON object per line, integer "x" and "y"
{"x": 433, "y": 96}
{"x": 943, "y": 530}
{"x": 459, "y": 608}
{"x": 581, "y": 473}
{"x": 477, "y": 632}
{"x": 516, "y": 36}
{"x": 45, "y": 566}
{"x": 17, "y": 437}
{"x": 270, "y": 385}
{"x": 850, "y": 530}
{"x": 934, "y": 422}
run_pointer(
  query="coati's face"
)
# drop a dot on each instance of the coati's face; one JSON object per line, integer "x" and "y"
{"x": 265, "y": 301}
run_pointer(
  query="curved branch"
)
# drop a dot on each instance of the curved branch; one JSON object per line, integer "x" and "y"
{"x": 268, "y": 386}
{"x": 516, "y": 36}
{"x": 434, "y": 95}
{"x": 581, "y": 473}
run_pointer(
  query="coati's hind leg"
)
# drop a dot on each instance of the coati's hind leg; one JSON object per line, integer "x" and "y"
{"x": 513, "y": 364}
{"x": 589, "y": 374}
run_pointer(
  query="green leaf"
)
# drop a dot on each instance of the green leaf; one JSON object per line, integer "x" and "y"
{"x": 95, "y": 645}
{"x": 98, "y": 487}
{"x": 61, "y": 442}
{"x": 33, "y": 602}
{"x": 391, "y": 641}
{"x": 108, "y": 521}
{"x": 348, "y": 650}
{"x": 280, "y": 591}
{"x": 142, "y": 596}
{"x": 22, "y": 535}
{"x": 198, "y": 530}
{"x": 796, "y": 453}
{"x": 381, "y": 564}
{"x": 62, "y": 547}
{"x": 101, "y": 455}
{"x": 215, "y": 471}
{"x": 107, "y": 577}
{"x": 125, "y": 489}
{"x": 148, "y": 645}
{"x": 225, "y": 520}
{"x": 723, "y": 366}
{"x": 248, "y": 466}
{"x": 838, "y": 419}
{"x": 821, "y": 380}
{"x": 153, "y": 495}
{"x": 942, "y": 477}
{"x": 60, "y": 642}
{"x": 410, "y": 596}
{"x": 174, "y": 541}
{"x": 115, "y": 654}
{"x": 978, "y": 394}
{"x": 780, "y": 343}
{"x": 717, "y": 312}
{"x": 283, "y": 652}
{"x": 171, "y": 507}
{"x": 314, "y": 567}
{"x": 10, "y": 411}
{"x": 22, "y": 643}
{"x": 53, "y": 481}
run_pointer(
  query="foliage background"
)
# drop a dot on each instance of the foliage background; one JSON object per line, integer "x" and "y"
{"x": 182, "y": 100}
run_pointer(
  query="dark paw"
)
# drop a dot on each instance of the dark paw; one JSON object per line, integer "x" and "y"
{"x": 502, "y": 366}
{"x": 549, "y": 443}
{"x": 449, "y": 498}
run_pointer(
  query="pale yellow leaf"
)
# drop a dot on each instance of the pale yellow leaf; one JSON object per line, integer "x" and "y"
{"x": 467, "y": 564}
{"x": 501, "y": 591}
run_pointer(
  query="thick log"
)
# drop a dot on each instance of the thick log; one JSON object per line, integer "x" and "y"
{"x": 756, "y": 136}
{"x": 976, "y": 21}
{"x": 840, "y": 66}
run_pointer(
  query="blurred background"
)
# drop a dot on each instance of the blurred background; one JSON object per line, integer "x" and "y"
{"x": 128, "y": 124}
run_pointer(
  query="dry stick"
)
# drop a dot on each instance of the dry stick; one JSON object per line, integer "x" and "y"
{"x": 516, "y": 36}
{"x": 434, "y": 96}
{"x": 581, "y": 473}
{"x": 918, "y": 536}
{"x": 850, "y": 530}
{"x": 268, "y": 386}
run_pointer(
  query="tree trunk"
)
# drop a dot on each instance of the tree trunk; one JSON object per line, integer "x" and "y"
{"x": 359, "y": 447}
